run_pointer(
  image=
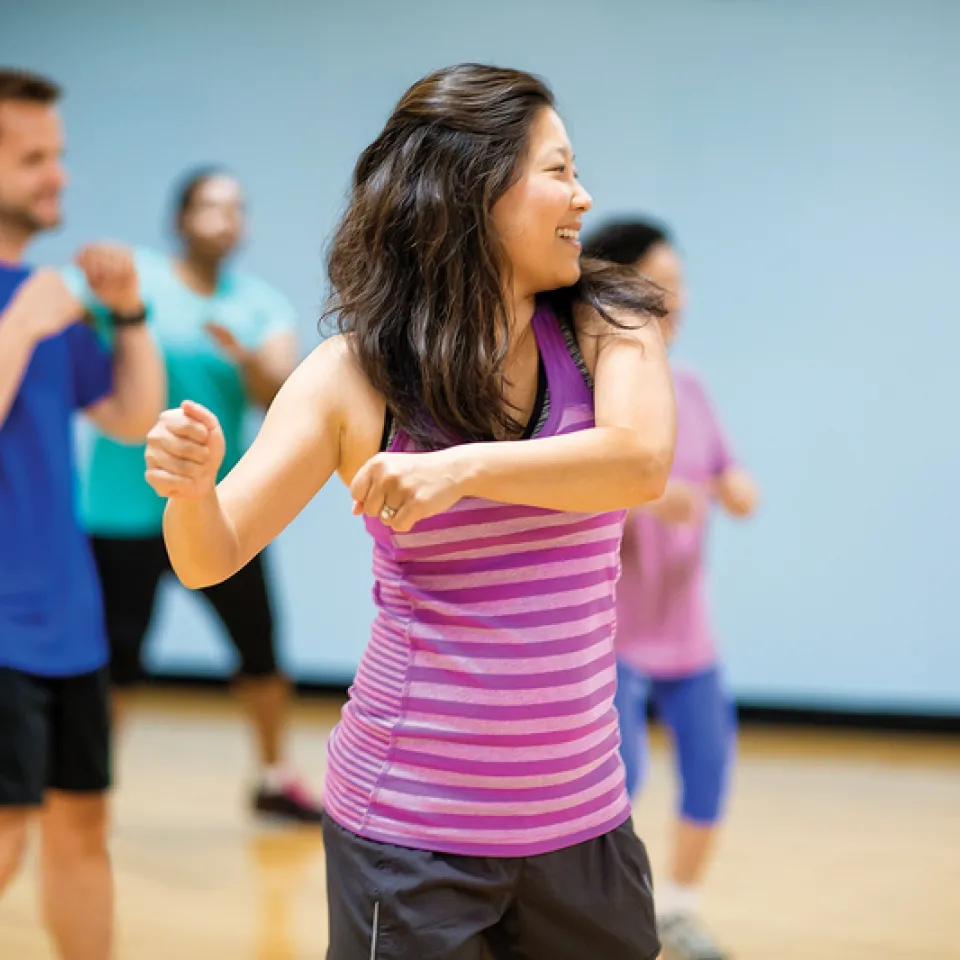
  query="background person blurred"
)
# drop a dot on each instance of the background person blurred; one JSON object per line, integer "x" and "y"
{"x": 229, "y": 342}
{"x": 664, "y": 641}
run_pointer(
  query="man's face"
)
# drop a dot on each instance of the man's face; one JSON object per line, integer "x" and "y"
{"x": 32, "y": 177}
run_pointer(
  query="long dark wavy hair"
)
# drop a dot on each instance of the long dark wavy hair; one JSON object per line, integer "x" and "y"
{"x": 416, "y": 266}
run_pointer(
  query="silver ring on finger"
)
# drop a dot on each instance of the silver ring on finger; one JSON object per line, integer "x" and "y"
{"x": 387, "y": 513}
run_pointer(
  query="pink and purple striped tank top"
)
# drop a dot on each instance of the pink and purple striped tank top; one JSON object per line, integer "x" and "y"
{"x": 481, "y": 720}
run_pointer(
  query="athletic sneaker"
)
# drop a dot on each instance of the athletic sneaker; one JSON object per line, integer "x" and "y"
{"x": 293, "y": 803}
{"x": 683, "y": 938}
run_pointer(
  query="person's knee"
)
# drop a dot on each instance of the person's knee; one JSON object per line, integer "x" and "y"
{"x": 258, "y": 659}
{"x": 705, "y": 780}
{"x": 13, "y": 843}
{"x": 75, "y": 826}
{"x": 126, "y": 668}
{"x": 703, "y": 721}
{"x": 702, "y": 798}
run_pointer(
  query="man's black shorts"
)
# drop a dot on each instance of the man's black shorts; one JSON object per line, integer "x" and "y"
{"x": 54, "y": 735}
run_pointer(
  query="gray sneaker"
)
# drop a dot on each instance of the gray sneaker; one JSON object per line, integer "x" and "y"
{"x": 683, "y": 938}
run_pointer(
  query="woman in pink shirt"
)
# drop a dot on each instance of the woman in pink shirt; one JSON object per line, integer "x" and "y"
{"x": 664, "y": 642}
{"x": 494, "y": 406}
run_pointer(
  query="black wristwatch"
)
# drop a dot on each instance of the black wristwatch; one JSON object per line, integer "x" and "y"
{"x": 129, "y": 319}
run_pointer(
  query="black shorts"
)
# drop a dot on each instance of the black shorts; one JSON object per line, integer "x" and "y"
{"x": 130, "y": 573}
{"x": 594, "y": 899}
{"x": 54, "y": 735}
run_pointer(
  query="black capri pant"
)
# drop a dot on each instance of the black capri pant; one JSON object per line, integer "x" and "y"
{"x": 130, "y": 573}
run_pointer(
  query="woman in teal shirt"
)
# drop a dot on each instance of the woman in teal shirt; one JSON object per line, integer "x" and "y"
{"x": 229, "y": 341}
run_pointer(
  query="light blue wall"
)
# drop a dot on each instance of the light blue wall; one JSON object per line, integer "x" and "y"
{"x": 807, "y": 154}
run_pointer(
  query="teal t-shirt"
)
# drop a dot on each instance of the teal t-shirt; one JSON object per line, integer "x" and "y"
{"x": 115, "y": 499}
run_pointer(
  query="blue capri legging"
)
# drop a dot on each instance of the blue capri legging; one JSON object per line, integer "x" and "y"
{"x": 702, "y": 721}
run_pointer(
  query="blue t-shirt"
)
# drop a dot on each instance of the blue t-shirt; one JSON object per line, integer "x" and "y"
{"x": 51, "y": 612}
{"x": 116, "y": 500}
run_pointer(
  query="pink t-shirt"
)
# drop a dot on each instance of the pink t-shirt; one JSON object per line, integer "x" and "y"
{"x": 662, "y": 625}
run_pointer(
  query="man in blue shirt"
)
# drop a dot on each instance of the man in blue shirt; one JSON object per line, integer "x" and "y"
{"x": 54, "y": 727}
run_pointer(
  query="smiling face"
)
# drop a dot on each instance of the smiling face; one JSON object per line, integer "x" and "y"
{"x": 538, "y": 219}
{"x": 32, "y": 177}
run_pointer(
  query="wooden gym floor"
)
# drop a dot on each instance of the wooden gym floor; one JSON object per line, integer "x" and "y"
{"x": 838, "y": 846}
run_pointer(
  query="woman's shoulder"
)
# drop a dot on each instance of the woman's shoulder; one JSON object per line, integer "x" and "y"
{"x": 333, "y": 370}
{"x": 595, "y": 330}
{"x": 614, "y": 321}
{"x": 334, "y": 357}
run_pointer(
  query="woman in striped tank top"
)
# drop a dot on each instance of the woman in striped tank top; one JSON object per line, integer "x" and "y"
{"x": 494, "y": 406}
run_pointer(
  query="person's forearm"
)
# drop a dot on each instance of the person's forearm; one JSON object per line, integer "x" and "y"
{"x": 737, "y": 492}
{"x": 140, "y": 387}
{"x": 260, "y": 380}
{"x": 201, "y": 541}
{"x": 592, "y": 471}
{"x": 16, "y": 349}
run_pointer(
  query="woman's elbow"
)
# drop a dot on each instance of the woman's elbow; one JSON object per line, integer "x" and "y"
{"x": 189, "y": 566}
{"x": 192, "y": 579}
{"x": 192, "y": 569}
{"x": 652, "y": 465}
{"x": 191, "y": 575}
